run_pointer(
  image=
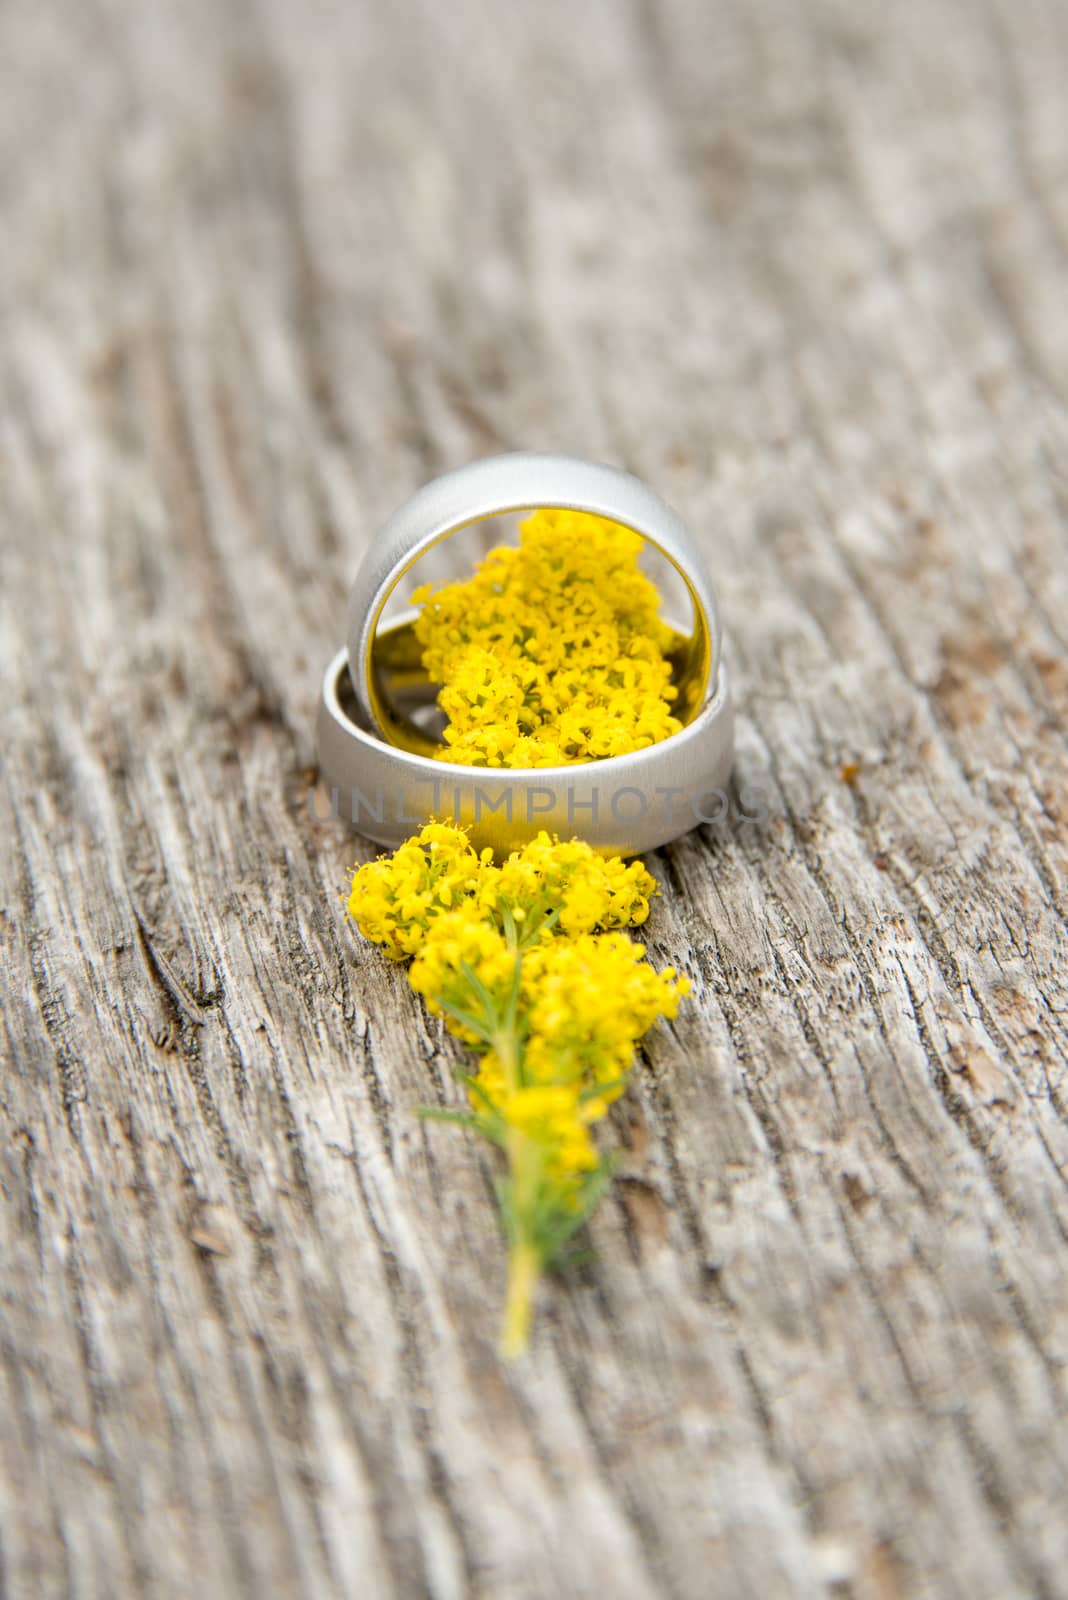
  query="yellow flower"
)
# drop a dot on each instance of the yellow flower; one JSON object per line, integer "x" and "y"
{"x": 553, "y": 652}
{"x": 589, "y": 1000}
{"x": 550, "y": 1116}
{"x": 457, "y": 944}
{"x": 395, "y": 899}
{"x": 587, "y": 890}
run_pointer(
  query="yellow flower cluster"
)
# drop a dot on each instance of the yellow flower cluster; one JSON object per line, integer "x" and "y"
{"x": 553, "y": 652}
{"x": 588, "y": 890}
{"x": 526, "y": 961}
{"x": 395, "y": 899}
{"x": 589, "y": 1000}
{"x": 585, "y": 1003}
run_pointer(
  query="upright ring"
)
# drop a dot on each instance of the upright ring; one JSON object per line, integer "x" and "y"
{"x": 496, "y": 486}
{"x": 624, "y": 804}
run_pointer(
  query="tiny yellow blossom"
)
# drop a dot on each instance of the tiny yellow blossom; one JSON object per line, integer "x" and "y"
{"x": 460, "y": 943}
{"x": 553, "y": 652}
{"x": 394, "y": 900}
{"x": 589, "y": 1001}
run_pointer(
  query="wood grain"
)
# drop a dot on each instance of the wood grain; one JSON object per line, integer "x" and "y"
{"x": 267, "y": 267}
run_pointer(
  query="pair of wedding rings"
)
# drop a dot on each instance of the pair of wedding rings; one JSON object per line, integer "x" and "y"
{"x": 376, "y": 750}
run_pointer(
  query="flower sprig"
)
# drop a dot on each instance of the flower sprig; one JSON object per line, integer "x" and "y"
{"x": 528, "y": 964}
{"x": 553, "y": 652}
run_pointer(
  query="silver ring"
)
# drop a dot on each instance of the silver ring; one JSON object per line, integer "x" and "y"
{"x": 499, "y": 485}
{"x": 380, "y": 766}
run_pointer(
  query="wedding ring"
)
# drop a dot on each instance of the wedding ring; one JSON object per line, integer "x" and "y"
{"x": 377, "y": 757}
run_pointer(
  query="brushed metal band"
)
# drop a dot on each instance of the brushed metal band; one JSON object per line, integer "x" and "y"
{"x": 624, "y": 805}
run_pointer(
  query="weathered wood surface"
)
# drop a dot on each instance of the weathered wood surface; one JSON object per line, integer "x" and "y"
{"x": 265, "y": 269}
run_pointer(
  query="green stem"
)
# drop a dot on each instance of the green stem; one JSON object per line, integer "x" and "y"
{"x": 524, "y": 1266}
{"x": 524, "y": 1258}
{"x": 506, "y": 1048}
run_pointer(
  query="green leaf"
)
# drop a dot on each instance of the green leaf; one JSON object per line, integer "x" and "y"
{"x": 558, "y": 1225}
{"x": 476, "y": 1025}
{"x": 471, "y": 1083}
{"x": 549, "y": 920}
{"x": 488, "y": 1003}
{"x": 465, "y": 1119}
{"x": 508, "y": 1014}
{"x": 569, "y": 1259}
{"x": 593, "y": 1090}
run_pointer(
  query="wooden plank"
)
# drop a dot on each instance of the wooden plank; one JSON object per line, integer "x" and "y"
{"x": 268, "y": 267}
